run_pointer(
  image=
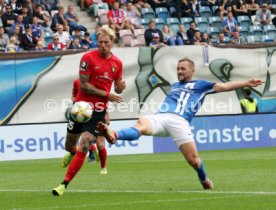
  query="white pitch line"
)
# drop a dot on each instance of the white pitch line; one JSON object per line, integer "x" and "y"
{"x": 132, "y": 202}
{"x": 205, "y": 159}
{"x": 149, "y": 191}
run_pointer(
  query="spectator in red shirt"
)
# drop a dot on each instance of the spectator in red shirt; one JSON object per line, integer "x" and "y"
{"x": 116, "y": 16}
{"x": 56, "y": 45}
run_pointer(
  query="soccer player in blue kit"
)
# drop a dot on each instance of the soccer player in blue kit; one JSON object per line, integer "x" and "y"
{"x": 174, "y": 117}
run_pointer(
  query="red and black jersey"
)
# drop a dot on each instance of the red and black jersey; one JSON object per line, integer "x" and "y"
{"x": 102, "y": 72}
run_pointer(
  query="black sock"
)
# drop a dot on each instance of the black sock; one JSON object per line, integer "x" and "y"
{"x": 65, "y": 183}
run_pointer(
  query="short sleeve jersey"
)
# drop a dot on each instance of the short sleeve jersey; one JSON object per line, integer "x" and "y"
{"x": 185, "y": 98}
{"x": 102, "y": 72}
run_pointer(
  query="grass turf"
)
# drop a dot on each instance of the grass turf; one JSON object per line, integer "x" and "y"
{"x": 243, "y": 179}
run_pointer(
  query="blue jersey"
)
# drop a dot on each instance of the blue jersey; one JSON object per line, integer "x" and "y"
{"x": 185, "y": 98}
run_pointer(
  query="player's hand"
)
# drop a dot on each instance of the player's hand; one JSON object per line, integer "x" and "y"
{"x": 115, "y": 98}
{"x": 254, "y": 82}
{"x": 120, "y": 85}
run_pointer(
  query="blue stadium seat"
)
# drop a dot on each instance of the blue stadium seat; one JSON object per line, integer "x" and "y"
{"x": 214, "y": 9}
{"x": 186, "y": 22}
{"x": 244, "y": 21}
{"x": 162, "y": 12}
{"x": 256, "y": 31}
{"x": 252, "y": 39}
{"x": 144, "y": 22}
{"x": 205, "y": 12}
{"x": 173, "y": 24}
{"x": 202, "y": 24}
{"x": 244, "y": 31}
{"x": 215, "y": 21}
{"x": 270, "y": 30}
{"x": 267, "y": 39}
{"x": 213, "y": 32}
{"x": 148, "y": 13}
{"x": 159, "y": 23}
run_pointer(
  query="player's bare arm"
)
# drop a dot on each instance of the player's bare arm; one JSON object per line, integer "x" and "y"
{"x": 120, "y": 85}
{"x": 89, "y": 88}
{"x": 92, "y": 90}
{"x": 228, "y": 86}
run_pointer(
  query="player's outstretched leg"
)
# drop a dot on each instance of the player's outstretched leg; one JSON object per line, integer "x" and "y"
{"x": 190, "y": 153}
{"x": 127, "y": 134}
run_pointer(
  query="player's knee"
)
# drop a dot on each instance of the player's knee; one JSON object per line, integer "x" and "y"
{"x": 86, "y": 139}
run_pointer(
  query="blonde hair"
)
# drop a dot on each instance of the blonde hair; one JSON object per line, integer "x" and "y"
{"x": 106, "y": 31}
{"x": 13, "y": 39}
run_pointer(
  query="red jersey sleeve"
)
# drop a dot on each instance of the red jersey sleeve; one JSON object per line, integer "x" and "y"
{"x": 85, "y": 65}
{"x": 109, "y": 14}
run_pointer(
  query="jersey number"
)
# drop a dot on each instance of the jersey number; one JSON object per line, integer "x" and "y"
{"x": 182, "y": 102}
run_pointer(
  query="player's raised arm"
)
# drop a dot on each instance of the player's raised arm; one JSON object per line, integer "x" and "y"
{"x": 228, "y": 86}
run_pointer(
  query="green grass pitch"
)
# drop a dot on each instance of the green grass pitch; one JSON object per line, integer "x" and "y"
{"x": 243, "y": 179}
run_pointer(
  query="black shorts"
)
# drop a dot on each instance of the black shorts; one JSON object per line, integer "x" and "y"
{"x": 91, "y": 126}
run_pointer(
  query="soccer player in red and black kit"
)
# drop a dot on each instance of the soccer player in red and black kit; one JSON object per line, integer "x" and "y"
{"x": 98, "y": 70}
{"x": 71, "y": 146}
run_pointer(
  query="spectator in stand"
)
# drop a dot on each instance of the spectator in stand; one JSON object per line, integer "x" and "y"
{"x": 151, "y": 32}
{"x": 30, "y": 5}
{"x": 27, "y": 16}
{"x": 64, "y": 36}
{"x": 168, "y": 36}
{"x": 132, "y": 15}
{"x": 87, "y": 43}
{"x": 28, "y": 42}
{"x": 237, "y": 39}
{"x": 56, "y": 45}
{"x": 59, "y": 19}
{"x": 72, "y": 19}
{"x": 75, "y": 44}
{"x": 181, "y": 34}
{"x": 263, "y": 16}
{"x": 221, "y": 39}
{"x": 191, "y": 31}
{"x": 17, "y": 34}
{"x": 155, "y": 42}
{"x": 8, "y": 18}
{"x": 183, "y": 9}
{"x": 252, "y": 7}
{"x": 160, "y": 3}
{"x": 2, "y": 7}
{"x": 12, "y": 47}
{"x": 199, "y": 40}
{"x": 37, "y": 30}
{"x": 93, "y": 36}
{"x": 230, "y": 25}
{"x": 19, "y": 23}
{"x": 4, "y": 39}
{"x": 16, "y": 7}
{"x": 77, "y": 34}
{"x": 239, "y": 8}
{"x": 39, "y": 47}
{"x": 224, "y": 7}
{"x": 139, "y": 4}
{"x": 195, "y": 7}
{"x": 116, "y": 16}
{"x": 95, "y": 5}
{"x": 43, "y": 19}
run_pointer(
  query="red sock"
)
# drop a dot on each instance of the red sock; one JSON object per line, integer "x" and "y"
{"x": 75, "y": 166}
{"x": 102, "y": 156}
{"x": 93, "y": 147}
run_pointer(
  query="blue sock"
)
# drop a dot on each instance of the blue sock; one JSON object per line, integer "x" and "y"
{"x": 128, "y": 134}
{"x": 201, "y": 172}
